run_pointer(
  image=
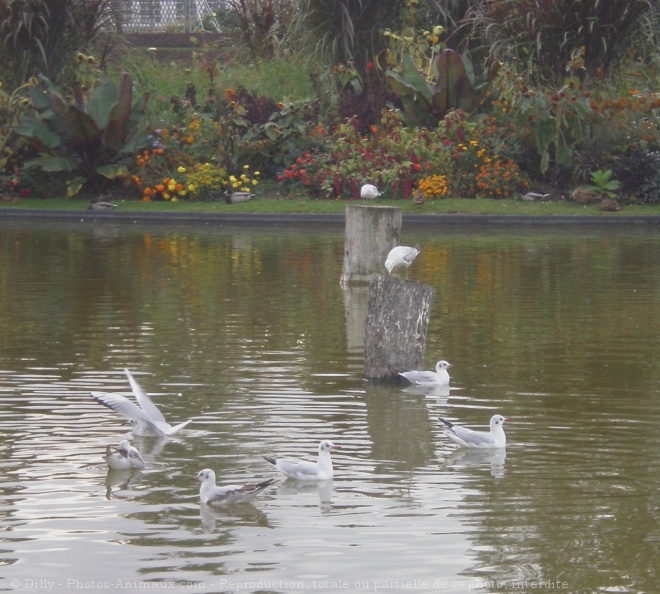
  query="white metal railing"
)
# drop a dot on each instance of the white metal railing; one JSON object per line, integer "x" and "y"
{"x": 154, "y": 16}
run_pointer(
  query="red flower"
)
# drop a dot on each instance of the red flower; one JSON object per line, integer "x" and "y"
{"x": 370, "y": 65}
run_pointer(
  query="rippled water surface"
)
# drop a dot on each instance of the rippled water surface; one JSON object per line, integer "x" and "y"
{"x": 247, "y": 331}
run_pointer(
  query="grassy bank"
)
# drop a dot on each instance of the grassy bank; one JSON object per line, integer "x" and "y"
{"x": 276, "y": 204}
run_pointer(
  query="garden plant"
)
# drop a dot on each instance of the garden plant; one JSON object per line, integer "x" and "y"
{"x": 478, "y": 99}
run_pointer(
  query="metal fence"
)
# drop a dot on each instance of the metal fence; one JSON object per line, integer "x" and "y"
{"x": 158, "y": 16}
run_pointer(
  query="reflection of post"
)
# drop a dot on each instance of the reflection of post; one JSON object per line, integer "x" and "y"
{"x": 371, "y": 232}
{"x": 355, "y": 304}
{"x": 395, "y": 331}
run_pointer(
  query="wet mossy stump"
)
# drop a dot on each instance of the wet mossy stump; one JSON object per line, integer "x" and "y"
{"x": 398, "y": 313}
{"x": 397, "y": 310}
{"x": 370, "y": 233}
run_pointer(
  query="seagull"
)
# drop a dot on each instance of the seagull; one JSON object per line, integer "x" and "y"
{"x": 125, "y": 457}
{"x": 210, "y": 494}
{"x": 467, "y": 438}
{"x": 302, "y": 470}
{"x": 369, "y": 192}
{"x": 439, "y": 377}
{"x": 401, "y": 255}
{"x": 146, "y": 419}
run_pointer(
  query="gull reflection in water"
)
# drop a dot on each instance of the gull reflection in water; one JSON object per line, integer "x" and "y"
{"x": 435, "y": 391}
{"x": 496, "y": 457}
{"x": 121, "y": 480}
{"x": 323, "y": 488}
{"x": 247, "y": 511}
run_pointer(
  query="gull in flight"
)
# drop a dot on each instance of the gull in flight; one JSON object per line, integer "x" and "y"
{"x": 125, "y": 457}
{"x": 146, "y": 419}
{"x": 468, "y": 438}
{"x": 211, "y": 494}
{"x": 302, "y": 470}
{"x": 401, "y": 255}
{"x": 439, "y": 377}
{"x": 369, "y": 192}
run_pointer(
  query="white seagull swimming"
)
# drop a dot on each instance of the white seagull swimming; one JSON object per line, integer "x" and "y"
{"x": 210, "y": 494}
{"x": 401, "y": 255}
{"x": 468, "y": 438}
{"x": 369, "y": 192}
{"x": 302, "y": 470}
{"x": 146, "y": 419}
{"x": 125, "y": 457}
{"x": 439, "y": 377}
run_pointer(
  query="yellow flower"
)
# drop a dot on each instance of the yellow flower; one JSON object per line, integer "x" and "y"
{"x": 257, "y": 173}
{"x": 181, "y": 169}
{"x": 192, "y": 188}
{"x": 254, "y": 182}
{"x": 232, "y": 179}
{"x": 246, "y": 167}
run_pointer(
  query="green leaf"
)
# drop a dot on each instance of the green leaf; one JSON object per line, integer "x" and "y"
{"x": 112, "y": 171}
{"x": 102, "y": 100}
{"x": 38, "y": 130}
{"x": 74, "y": 186}
{"x": 84, "y": 134}
{"x": 55, "y": 164}
{"x": 453, "y": 88}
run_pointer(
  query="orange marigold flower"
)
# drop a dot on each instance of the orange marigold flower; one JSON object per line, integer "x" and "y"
{"x": 160, "y": 188}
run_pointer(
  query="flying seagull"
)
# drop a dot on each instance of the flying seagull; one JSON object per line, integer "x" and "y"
{"x": 144, "y": 416}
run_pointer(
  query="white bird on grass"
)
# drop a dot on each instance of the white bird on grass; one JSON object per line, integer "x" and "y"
{"x": 146, "y": 419}
{"x": 468, "y": 438}
{"x": 439, "y": 377}
{"x": 302, "y": 470}
{"x": 369, "y": 192}
{"x": 210, "y": 494}
{"x": 125, "y": 457}
{"x": 401, "y": 255}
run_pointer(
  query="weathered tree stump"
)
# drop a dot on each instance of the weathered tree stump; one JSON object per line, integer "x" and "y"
{"x": 371, "y": 232}
{"x": 398, "y": 314}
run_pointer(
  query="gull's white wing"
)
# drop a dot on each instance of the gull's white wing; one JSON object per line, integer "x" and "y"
{"x": 144, "y": 401}
{"x": 124, "y": 407}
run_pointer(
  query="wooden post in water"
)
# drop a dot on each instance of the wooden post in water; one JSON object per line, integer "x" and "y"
{"x": 371, "y": 232}
{"x": 398, "y": 314}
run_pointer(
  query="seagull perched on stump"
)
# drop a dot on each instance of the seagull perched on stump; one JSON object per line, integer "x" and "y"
{"x": 369, "y": 192}
{"x": 402, "y": 255}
